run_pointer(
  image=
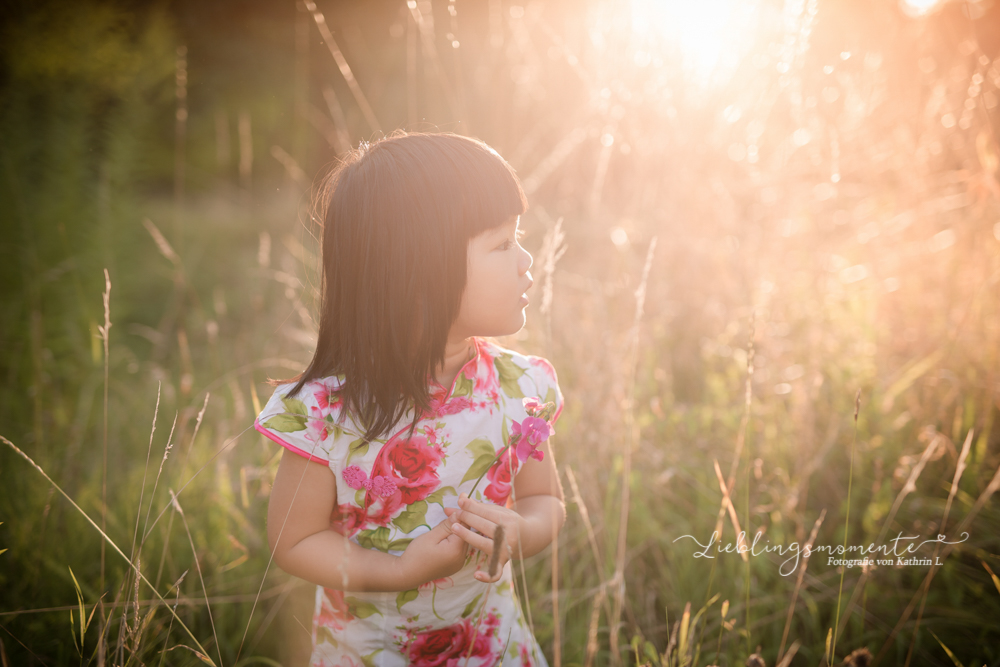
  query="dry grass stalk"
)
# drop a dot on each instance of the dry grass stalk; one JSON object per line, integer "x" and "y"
{"x": 631, "y": 437}
{"x": 741, "y": 433}
{"x": 499, "y": 542}
{"x": 159, "y": 472}
{"x": 795, "y": 592}
{"x": 585, "y": 515}
{"x": 728, "y": 504}
{"x": 292, "y": 167}
{"x": 909, "y": 486}
{"x": 981, "y": 501}
{"x": 104, "y": 331}
{"x": 149, "y": 450}
{"x": 431, "y": 54}
{"x": 197, "y": 564}
{"x": 161, "y": 243}
{"x": 959, "y": 469}
{"x": 786, "y": 660}
{"x": 103, "y": 534}
{"x": 341, "y": 137}
{"x": 847, "y": 519}
{"x": 595, "y": 618}
{"x": 345, "y": 69}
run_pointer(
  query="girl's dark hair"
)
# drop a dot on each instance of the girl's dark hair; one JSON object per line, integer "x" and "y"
{"x": 397, "y": 216}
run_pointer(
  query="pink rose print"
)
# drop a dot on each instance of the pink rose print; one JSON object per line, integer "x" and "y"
{"x": 448, "y": 646}
{"x": 333, "y": 613}
{"x": 348, "y": 519}
{"x": 411, "y": 465}
{"x": 500, "y": 475}
{"x": 439, "y": 406}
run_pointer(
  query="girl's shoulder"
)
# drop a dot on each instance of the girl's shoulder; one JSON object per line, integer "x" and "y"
{"x": 307, "y": 421}
{"x": 521, "y": 375}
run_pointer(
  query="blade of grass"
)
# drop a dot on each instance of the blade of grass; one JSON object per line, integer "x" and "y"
{"x": 959, "y": 469}
{"x": 197, "y": 565}
{"x": 981, "y": 501}
{"x": 947, "y": 650}
{"x": 847, "y": 524}
{"x": 342, "y": 65}
{"x": 631, "y": 429}
{"x": 798, "y": 585}
{"x": 98, "y": 528}
{"x": 104, "y": 331}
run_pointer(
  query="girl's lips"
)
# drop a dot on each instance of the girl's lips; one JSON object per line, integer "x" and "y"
{"x": 524, "y": 300}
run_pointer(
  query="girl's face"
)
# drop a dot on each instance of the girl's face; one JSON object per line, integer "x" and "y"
{"x": 497, "y": 278}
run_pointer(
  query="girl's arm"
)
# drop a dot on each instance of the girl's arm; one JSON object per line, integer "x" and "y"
{"x": 531, "y": 521}
{"x": 298, "y": 530}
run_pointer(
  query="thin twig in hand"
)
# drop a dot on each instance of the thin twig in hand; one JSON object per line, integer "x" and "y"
{"x": 499, "y": 540}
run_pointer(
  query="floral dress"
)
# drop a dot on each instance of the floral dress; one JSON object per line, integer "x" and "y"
{"x": 396, "y": 489}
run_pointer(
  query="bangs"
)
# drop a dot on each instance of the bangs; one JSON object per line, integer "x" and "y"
{"x": 459, "y": 179}
{"x": 493, "y": 192}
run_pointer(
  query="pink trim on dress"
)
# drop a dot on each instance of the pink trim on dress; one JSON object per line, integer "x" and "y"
{"x": 287, "y": 445}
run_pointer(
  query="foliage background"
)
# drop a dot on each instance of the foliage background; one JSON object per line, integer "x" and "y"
{"x": 831, "y": 178}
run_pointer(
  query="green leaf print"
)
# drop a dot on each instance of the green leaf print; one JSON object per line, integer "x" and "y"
{"x": 439, "y": 495}
{"x": 463, "y": 386}
{"x": 483, "y": 455}
{"x": 286, "y": 423}
{"x": 293, "y": 419}
{"x": 359, "y": 497}
{"x": 360, "y": 608}
{"x": 404, "y": 597}
{"x": 295, "y": 406}
{"x": 469, "y": 608}
{"x": 326, "y": 635}
{"x": 550, "y": 396}
{"x": 357, "y": 448}
{"x": 369, "y": 660}
{"x": 400, "y": 544}
{"x": 375, "y": 539}
{"x": 415, "y": 515}
{"x": 509, "y": 373}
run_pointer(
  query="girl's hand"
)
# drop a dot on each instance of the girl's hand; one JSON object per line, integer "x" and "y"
{"x": 485, "y": 517}
{"x": 436, "y": 554}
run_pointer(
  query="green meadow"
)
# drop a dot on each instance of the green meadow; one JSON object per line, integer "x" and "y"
{"x": 766, "y": 243}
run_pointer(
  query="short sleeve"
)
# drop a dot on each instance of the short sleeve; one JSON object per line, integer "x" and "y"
{"x": 303, "y": 423}
{"x": 546, "y": 383}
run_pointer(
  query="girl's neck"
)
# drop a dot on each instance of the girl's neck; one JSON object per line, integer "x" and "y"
{"x": 456, "y": 354}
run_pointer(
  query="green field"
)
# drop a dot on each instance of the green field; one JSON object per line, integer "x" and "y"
{"x": 767, "y": 247}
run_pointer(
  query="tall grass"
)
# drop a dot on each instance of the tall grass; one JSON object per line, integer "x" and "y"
{"x": 825, "y": 218}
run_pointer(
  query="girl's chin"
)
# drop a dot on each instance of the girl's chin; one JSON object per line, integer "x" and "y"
{"x": 515, "y": 326}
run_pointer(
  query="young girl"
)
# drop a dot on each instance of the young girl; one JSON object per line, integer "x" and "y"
{"x": 406, "y": 411}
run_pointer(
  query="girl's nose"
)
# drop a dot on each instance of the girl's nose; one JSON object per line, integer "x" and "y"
{"x": 524, "y": 262}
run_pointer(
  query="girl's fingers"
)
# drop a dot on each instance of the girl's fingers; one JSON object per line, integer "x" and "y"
{"x": 486, "y": 510}
{"x": 485, "y": 577}
{"x": 481, "y": 542}
{"x": 483, "y": 525}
